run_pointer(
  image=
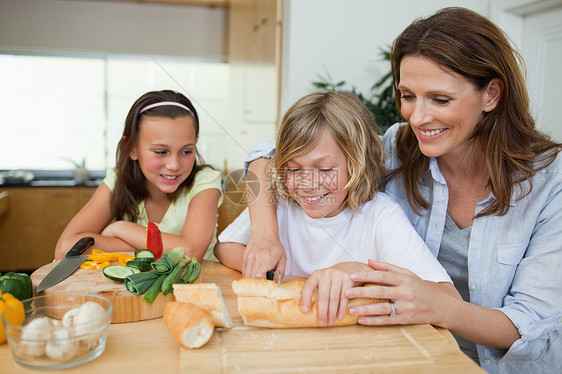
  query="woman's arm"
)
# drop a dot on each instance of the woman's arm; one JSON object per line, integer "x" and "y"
{"x": 264, "y": 250}
{"x": 230, "y": 254}
{"x": 91, "y": 220}
{"x": 420, "y": 301}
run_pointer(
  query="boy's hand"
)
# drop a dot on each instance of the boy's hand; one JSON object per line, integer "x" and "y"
{"x": 331, "y": 284}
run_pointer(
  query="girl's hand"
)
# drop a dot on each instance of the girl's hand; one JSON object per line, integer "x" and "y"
{"x": 417, "y": 301}
{"x": 332, "y": 284}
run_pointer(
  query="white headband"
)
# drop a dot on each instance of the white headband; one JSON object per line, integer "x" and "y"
{"x": 162, "y": 103}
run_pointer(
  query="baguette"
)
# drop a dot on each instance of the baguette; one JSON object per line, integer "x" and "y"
{"x": 207, "y": 296}
{"x": 190, "y": 325}
{"x": 263, "y": 303}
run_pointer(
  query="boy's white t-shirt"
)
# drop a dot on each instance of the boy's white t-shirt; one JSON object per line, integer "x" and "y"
{"x": 380, "y": 232}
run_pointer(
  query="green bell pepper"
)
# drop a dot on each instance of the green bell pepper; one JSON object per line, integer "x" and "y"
{"x": 17, "y": 284}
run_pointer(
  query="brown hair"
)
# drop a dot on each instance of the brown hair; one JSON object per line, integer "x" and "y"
{"x": 130, "y": 187}
{"x": 353, "y": 127}
{"x": 514, "y": 149}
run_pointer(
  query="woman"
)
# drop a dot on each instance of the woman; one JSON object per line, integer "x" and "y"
{"x": 481, "y": 186}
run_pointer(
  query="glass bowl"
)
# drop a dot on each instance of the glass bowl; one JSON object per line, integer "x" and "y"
{"x": 59, "y": 330}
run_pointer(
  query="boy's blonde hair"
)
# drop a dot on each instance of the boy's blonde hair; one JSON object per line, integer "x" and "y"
{"x": 353, "y": 128}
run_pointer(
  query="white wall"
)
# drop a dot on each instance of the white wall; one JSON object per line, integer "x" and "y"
{"x": 535, "y": 26}
{"x": 112, "y": 27}
{"x": 343, "y": 37}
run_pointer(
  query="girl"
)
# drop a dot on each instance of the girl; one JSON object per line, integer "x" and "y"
{"x": 331, "y": 217}
{"x": 157, "y": 179}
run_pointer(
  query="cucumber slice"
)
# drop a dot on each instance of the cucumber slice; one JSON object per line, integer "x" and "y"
{"x": 139, "y": 264}
{"x": 144, "y": 255}
{"x": 118, "y": 272}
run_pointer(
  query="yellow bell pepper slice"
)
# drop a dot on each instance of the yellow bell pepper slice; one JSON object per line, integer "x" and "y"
{"x": 88, "y": 265}
{"x": 100, "y": 256}
{"x": 91, "y": 265}
{"x": 103, "y": 265}
{"x": 123, "y": 258}
{"x": 100, "y": 259}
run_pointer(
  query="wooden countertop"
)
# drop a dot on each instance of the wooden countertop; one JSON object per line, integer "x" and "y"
{"x": 147, "y": 347}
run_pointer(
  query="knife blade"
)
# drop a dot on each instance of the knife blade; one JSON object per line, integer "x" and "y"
{"x": 68, "y": 265}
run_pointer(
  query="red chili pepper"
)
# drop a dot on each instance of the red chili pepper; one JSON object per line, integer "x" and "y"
{"x": 154, "y": 240}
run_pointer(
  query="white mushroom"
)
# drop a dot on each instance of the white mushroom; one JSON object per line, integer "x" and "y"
{"x": 62, "y": 346}
{"x": 68, "y": 318}
{"x": 34, "y": 335}
{"x": 55, "y": 324}
{"x": 86, "y": 321}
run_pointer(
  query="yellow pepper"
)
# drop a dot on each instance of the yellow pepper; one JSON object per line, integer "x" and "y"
{"x": 100, "y": 259}
{"x": 100, "y": 256}
{"x": 90, "y": 265}
{"x": 123, "y": 258}
{"x": 15, "y": 315}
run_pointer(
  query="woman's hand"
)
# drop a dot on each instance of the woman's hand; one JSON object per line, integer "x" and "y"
{"x": 263, "y": 253}
{"x": 416, "y": 301}
{"x": 332, "y": 284}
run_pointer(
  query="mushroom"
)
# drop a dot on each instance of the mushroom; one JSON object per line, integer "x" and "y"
{"x": 68, "y": 318}
{"x": 86, "y": 321}
{"x": 62, "y": 346}
{"x": 34, "y": 336}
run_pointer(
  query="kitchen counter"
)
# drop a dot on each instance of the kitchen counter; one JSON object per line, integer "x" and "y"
{"x": 147, "y": 347}
{"x": 48, "y": 178}
{"x": 52, "y": 183}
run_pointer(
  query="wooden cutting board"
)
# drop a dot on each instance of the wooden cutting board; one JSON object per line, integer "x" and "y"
{"x": 126, "y": 306}
{"x": 350, "y": 349}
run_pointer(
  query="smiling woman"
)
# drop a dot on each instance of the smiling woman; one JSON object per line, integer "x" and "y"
{"x": 71, "y": 107}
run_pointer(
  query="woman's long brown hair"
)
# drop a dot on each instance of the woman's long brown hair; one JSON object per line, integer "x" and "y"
{"x": 466, "y": 43}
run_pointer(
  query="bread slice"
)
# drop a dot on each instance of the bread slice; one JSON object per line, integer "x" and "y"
{"x": 189, "y": 324}
{"x": 207, "y": 296}
{"x": 264, "y": 303}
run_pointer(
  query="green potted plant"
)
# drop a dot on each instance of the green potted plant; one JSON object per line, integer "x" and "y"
{"x": 380, "y": 98}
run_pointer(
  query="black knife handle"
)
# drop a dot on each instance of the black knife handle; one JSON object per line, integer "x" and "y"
{"x": 80, "y": 246}
{"x": 270, "y": 274}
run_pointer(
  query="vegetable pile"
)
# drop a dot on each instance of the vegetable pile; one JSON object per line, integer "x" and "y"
{"x": 146, "y": 276}
{"x": 148, "y": 272}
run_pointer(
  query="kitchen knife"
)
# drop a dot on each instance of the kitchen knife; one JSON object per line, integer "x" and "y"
{"x": 271, "y": 274}
{"x": 67, "y": 265}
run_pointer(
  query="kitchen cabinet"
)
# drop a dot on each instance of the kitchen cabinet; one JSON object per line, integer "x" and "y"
{"x": 210, "y": 3}
{"x": 254, "y": 51}
{"x": 33, "y": 221}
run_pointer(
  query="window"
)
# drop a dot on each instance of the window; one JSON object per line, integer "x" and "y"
{"x": 59, "y": 111}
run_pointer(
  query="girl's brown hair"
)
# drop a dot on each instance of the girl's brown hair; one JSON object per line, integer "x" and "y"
{"x": 130, "y": 187}
{"x": 353, "y": 127}
{"x": 466, "y": 43}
